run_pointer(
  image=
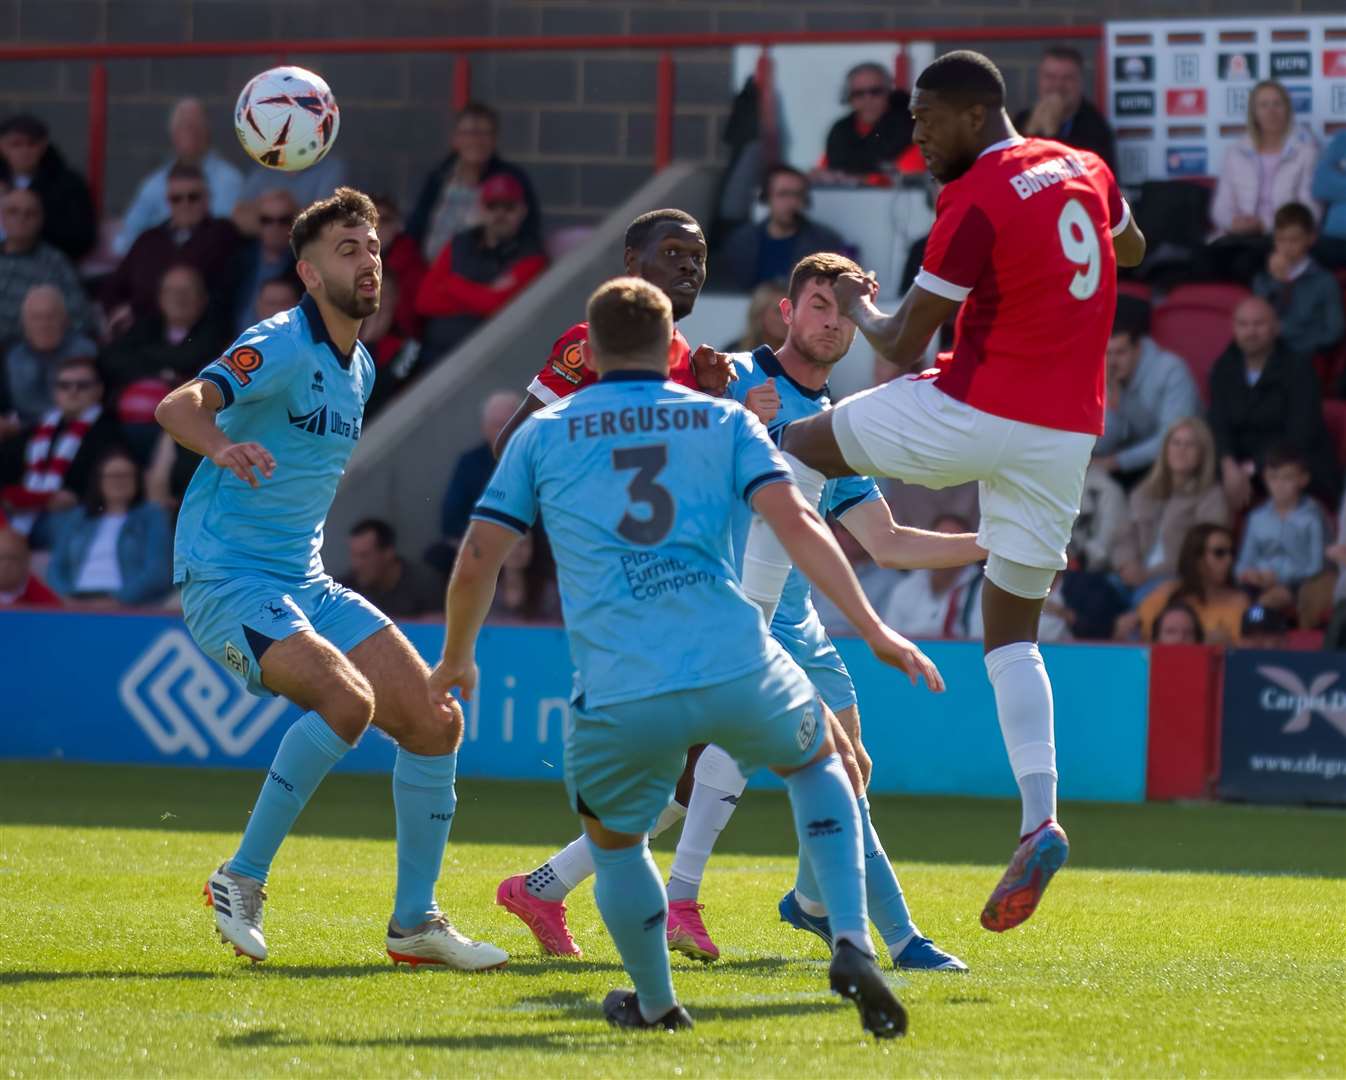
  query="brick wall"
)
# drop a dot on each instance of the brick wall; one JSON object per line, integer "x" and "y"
{"x": 583, "y": 124}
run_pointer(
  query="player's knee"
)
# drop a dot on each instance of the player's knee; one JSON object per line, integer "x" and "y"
{"x": 424, "y": 729}
{"x": 349, "y": 708}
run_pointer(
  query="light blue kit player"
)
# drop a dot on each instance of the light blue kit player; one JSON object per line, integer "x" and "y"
{"x": 637, "y": 479}
{"x": 276, "y": 419}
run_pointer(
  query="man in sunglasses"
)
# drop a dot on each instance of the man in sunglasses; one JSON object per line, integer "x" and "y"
{"x": 191, "y": 236}
{"x": 268, "y": 256}
{"x": 875, "y": 133}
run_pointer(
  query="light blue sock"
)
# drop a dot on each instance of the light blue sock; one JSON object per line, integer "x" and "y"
{"x": 425, "y": 800}
{"x": 828, "y": 824}
{"x": 887, "y": 905}
{"x": 806, "y": 882}
{"x": 306, "y": 754}
{"x": 630, "y": 896}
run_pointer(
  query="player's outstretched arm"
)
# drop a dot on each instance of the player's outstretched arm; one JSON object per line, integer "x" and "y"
{"x": 530, "y": 405}
{"x": 814, "y": 550}
{"x": 188, "y": 414}
{"x": 900, "y": 338}
{"x": 466, "y": 604}
{"x": 898, "y": 547}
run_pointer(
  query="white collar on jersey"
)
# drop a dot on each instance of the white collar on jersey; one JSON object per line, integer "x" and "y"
{"x": 1003, "y": 144}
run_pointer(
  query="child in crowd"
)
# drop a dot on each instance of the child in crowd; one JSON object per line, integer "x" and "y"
{"x": 1306, "y": 297}
{"x": 1284, "y": 538}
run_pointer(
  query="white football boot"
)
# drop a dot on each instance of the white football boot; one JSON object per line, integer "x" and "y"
{"x": 237, "y": 901}
{"x": 436, "y": 941}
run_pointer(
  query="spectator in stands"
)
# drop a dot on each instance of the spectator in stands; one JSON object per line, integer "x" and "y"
{"x": 51, "y": 468}
{"x": 757, "y": 253}
{"x": 480, "y": 271}
{"x": 1284, "y": 538}
{"x": 1262, "y": 394}
{"x": 1177, "y": 624}
{"x": 393, "y": 585}
{"x": 28, "y": 161}
{"x": 403, "y": 260}
{"x": 189, "y": 134}
{"x": 1335, "y": 636}
{"x": 874, "y": 135}
{"x": 1062, "y": 112}
{"x": 1180, "y": 491}
{"x": 277, "y": 295}
{"x": 1272, "y": 166}
{"x": 28, "y": 366}
{"x": 474, "y": 468}
{"x": 191, "y": 236}
{"x": 267, "y": 256}
{"x": 1263, "y": 628}
{"x": 116, "y": 549}
{"x": 526, "y": 591}
{"x": 19, "y": 586}
{"x": 876, "y": 582}
{"x": 766, "y": 325}
{"x": 1307, "y": 298}
{"x": 306, "y": 187}
{"x": 27, "y": 260}
{"x": 1101, "y": 519}
{"x": 1329, "y": 188}
{"x": 1205, "y": 583}
{"x": 1149, "y": 389}
{"x": 396, "y": 357}
{"x": 936, "y": 603}
{"x": 448, "y": 200}
{"x": 177, "y": 341}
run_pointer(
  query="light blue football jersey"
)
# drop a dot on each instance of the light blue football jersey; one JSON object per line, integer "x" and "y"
{"x": 839, "y": 494}
{"x": 636, "y": 480}
{"x": 286, "y": 387}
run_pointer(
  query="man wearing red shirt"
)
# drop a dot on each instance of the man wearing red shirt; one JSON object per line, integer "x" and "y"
{"x": 1027, "y": 239}
{"x": 18, "y": 586}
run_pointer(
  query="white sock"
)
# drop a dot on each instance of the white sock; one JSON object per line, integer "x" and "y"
{"x": 810, "y": 906}
{"x": 1023, "y": 699}
{"x": 719, "y": 783}
{"x": 766, "y": 564}
{"x": 573, "y": 863}
{"x": 672, "y": 814}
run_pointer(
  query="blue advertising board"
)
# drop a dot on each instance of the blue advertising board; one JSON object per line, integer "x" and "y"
{"x": 135, "y": 689}
{"x": 1283, "y": 728}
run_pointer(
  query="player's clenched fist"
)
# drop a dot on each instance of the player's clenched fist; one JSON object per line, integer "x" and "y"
{"x": 763, "y": 401}
{"x": 713, "y": 370}
{"x": 241, "y": 458}
{"x": 896, "y": 651}
{"x": 850, "y": 289}
{"x": 448, "y": 675}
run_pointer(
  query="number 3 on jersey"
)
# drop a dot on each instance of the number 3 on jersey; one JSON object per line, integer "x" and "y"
{"x": 648, "y": 461}
{"x": 1079, "y": 244}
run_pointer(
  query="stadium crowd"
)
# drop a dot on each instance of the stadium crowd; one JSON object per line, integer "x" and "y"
{"x": 1213, "y": 510}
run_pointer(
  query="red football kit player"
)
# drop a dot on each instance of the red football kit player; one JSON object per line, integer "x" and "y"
{"x": 1027, "y": 238}
{"x": 564, "y": 372}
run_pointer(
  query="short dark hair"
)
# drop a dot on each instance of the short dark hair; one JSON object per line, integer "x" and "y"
{"x": 25, "y": 124}
{"x": 630, "y": 317}
{"x": 180, "y": 170}
{"x": 84, "y": 360}
{"x": 1292, "y": 214}
{"x": 1132, "y": 317}
{"x": 384, "y": 534}
{"x": 821, "y": 265}
{"x": 639, "y": 231}
{"x": 1282, "y": 454}
{"x": 1064, "y": 52}
{"x": 965, "y": 76}
{"x": 345, "y": 206}
{"x": 481, "y": 111}
{"x": 780, "y": 169}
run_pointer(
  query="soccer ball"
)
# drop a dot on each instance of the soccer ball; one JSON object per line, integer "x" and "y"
{"x": 286, "y": 119}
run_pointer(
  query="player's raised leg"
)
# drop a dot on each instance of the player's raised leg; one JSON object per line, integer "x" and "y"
{"x": 425, "y": 801}
{"x": 340, "y": 704}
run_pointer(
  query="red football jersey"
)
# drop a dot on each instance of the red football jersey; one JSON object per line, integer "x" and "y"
{"x": 564, "y": 372}
{"x": 1024, "y": 240}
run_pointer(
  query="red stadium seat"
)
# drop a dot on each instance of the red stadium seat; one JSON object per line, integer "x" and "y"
{"x": 1334, "y": 416}
{"x": 1307, "y": 640}
{"x": 1138, "y": 289}
{"x": 1209, "y": 294}
{"x": 1198, "y": 333}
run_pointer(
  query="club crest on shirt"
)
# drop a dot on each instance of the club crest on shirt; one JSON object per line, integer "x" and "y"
{"x": 241, "y": 363}
{"x": 570, "y": 363}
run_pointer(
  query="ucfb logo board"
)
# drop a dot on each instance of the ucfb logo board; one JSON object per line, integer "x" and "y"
{"x": 1178, "y": 90}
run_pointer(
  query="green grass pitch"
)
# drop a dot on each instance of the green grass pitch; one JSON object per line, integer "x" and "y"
{"x": 1179, "y": 940}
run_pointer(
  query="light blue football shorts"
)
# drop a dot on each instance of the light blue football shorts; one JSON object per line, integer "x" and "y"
{"x": 809, "y": 646}
{"x": 234, "y": 620}
{"x": 622, "y": 762}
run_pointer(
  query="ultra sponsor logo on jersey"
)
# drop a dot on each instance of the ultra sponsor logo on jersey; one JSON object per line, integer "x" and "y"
{"x": 181, "y": 700}
{"x": 1132, "y": 69}
{"x": 1238, "y": 67}
{"x": 1291, "y": 65}
{"x": 1186, "y": 160}
{"x": 1133, "y": 103}
{"x": 570, "y": 364}
{"x": 241, "y": 363}
{"x": 1185, "y": 102}
{"x": 321, "y": 420}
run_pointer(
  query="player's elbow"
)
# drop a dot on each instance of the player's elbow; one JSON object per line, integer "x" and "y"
{"x": 1130, "y": 248}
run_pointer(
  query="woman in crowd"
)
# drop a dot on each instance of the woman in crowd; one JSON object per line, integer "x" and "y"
{"x": 765, "y": 325}
{"x": 527, "y": 589}
{"x": 1205, "y": 583}
{"x": 1272, "y": 166}
{"x": 116, "y": 549}
{"x": 1180, "y": 491}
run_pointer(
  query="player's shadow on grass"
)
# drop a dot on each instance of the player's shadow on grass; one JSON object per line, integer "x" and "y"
{"x": 297, "y": 971}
